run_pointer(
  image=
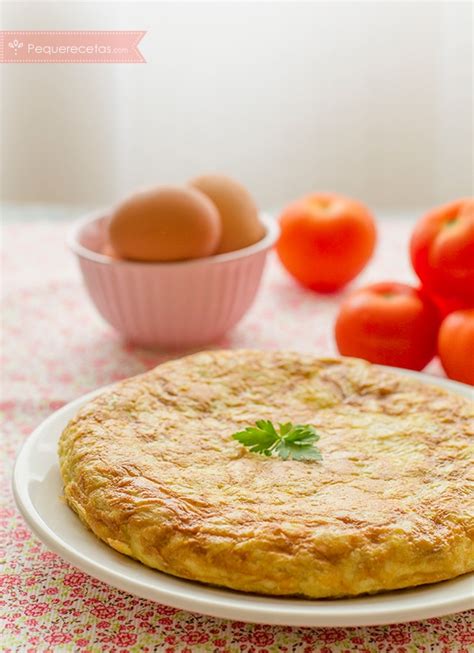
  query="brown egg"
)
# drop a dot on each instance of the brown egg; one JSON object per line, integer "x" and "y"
{"x": 241, "y": 226}
{"x": 165, "y": 224}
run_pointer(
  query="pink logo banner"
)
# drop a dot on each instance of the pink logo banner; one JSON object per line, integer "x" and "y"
{"x": 71, "y": 47}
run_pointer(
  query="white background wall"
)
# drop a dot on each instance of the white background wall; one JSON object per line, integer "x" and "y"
{"x": 372, "y": 99}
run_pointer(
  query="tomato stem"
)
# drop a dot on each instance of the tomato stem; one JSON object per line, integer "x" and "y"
{"x": 451, "y": 222}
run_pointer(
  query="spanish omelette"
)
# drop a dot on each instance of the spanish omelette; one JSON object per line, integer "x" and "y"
{"x": 150, "y": 466}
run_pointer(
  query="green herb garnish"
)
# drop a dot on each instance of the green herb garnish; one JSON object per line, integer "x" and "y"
{"x": 294, "y": 442}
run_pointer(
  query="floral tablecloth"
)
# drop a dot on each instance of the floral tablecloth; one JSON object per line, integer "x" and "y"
{"x": 55, "y": 348}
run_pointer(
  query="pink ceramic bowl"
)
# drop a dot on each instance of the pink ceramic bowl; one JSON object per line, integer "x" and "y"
{"x": 170, "y": 305}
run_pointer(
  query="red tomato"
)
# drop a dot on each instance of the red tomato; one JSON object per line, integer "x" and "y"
{"x": 456, "y": 345}
{"x": 388, "y": 323}
{"x": 442, "y": 252}
{"x": 326, "y": 240}
{"x": 447, "y": 305}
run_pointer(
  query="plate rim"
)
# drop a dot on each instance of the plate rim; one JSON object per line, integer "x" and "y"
{"x": 236, "y": 606}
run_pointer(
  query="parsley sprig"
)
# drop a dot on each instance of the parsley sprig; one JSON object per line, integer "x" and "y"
{"x": 295, "y": 442}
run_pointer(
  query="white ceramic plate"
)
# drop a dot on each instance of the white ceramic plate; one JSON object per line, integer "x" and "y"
{"x": 38, "y": 488}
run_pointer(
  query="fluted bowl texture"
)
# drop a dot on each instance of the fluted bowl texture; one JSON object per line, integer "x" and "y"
{"x": 174, "y": 305}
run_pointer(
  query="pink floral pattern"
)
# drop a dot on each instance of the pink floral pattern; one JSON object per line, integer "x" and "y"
{"x": 56, "y": 348}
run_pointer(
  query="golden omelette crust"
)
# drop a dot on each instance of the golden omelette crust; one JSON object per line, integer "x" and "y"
{"x": 151, "y": 468}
